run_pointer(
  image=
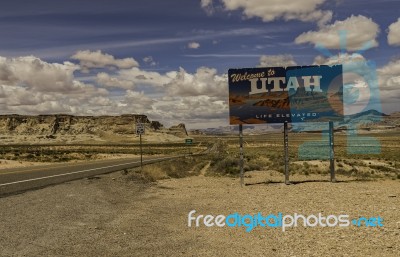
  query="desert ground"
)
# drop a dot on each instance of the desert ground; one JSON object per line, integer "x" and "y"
{"x": 115, "y": 215}
{"x": 145, "y": 212}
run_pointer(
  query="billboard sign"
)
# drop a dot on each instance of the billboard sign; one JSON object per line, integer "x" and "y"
{"x": 292, "y": 94}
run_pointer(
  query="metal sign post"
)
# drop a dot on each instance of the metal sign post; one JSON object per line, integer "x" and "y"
{"x": 141, "y": 152}
{"x": 332, "y": 152}
{"x": 140, "y": 131}
{"x": 188, "y": 142}
{"x": 241, "y": 154}
{"x": 286, "y": 148}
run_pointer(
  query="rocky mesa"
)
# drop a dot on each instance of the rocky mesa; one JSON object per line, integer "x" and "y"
{"x": 16, "y": 128}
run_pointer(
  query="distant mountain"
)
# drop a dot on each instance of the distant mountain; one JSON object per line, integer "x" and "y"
{"x": 367, "y": 113}
{"x": 367, "y": 120}
{"x": 234, "y": 129}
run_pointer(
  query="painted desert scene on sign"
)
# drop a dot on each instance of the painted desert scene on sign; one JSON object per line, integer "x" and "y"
{"x": 291, "y": 94}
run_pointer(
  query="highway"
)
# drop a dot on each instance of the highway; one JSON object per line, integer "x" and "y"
{"x": 17, "y": 180}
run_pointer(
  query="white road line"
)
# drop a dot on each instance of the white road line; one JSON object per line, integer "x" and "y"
{"x": 81, "y": 171}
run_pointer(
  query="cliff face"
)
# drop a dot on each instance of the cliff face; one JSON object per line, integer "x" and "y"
{"x": 69, "y": 125}
{"x": 179, "y": 130}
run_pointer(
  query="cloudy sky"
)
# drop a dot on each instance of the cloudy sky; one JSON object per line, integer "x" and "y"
{"x": 169, "y": 59}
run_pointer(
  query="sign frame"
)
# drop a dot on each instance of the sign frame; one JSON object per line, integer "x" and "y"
{"x": 290, "y": 94}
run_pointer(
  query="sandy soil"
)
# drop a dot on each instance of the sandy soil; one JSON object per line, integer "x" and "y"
{"x": 7, "y": 164}
{"x": 112, "y": 216}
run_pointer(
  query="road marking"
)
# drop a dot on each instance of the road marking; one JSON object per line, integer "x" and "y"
{"x": 43, "y": 167}
{"x": 52, "y": 166}
{"x": 81, "y": 171}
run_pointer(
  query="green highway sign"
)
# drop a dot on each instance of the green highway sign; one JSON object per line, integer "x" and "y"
{"x": 189, "y": 141}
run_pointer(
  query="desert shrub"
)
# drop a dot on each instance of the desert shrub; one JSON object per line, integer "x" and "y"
{"x": 139, "y": 177}
{"x": 30, "y": 156}
{"x": 381, "y": 168}
{"x": 363, "y": 176}
{"x": 343, "y": 172}
{"x": 198, "y": 167}
{"x": 354, "y": 171}
{"x": 153, "y": 173}
{"x": 252, "y": 166}
{"x": 178, "y": 168}
{"x": 227, "y": 165}
{"x": 64, "y": 159}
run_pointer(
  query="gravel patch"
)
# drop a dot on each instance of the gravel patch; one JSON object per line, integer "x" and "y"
{"x": 110, "y": 215}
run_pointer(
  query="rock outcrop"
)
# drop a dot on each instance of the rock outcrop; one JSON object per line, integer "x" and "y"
{"x": 61, "y": 124}
{"x": 178, "y": 130}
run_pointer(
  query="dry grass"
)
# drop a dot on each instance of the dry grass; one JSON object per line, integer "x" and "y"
{"x": 266, "y": 153}
{"x": 178, "y": 168}
{"x": 64, "y": 153}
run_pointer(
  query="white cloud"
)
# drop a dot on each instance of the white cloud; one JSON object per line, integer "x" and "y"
{"x": 106, "y": 80}
{"x": 357, "y": 70}
{"x": 339, "y": 59}
{"x": 29, "y": 85}
{"x": 137, "y": 102}
{"x": 394, "y": 33}
{"x": 389, "y": 76}
{"x": 269, "y": 10}
{"x": 96, "y": 59}
{"x": 208, "y": 6}
{"x": 149, "y": 61}
{"x": 17, "y": 96}
{"x": 200, "y": 111}
{"x": 358, "y": 30}
{"x": 196, "y": 98}
{"x": 141, "y": 77}
{"x": 100, "y": 101}
{"x": 389, "y": 83}
{"x": 205, "y": 81}
{"x": 193, "y": 45}
{"x": 137, "y": 98}
{"x": 276, "y": 61}
{"x": 37, "y": 75}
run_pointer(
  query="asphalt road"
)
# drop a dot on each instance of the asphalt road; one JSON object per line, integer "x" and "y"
{"x": 22, "y": 179}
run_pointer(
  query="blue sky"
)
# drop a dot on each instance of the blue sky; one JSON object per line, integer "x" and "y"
{"x": 169, "y": 59}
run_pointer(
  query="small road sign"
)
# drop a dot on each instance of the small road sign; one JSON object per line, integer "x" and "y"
{"x": 189, "y": 141}
{"x": 139, "y": 128}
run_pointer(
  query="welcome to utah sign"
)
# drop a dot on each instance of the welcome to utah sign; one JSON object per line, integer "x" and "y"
{"x": 279, "y": 94}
